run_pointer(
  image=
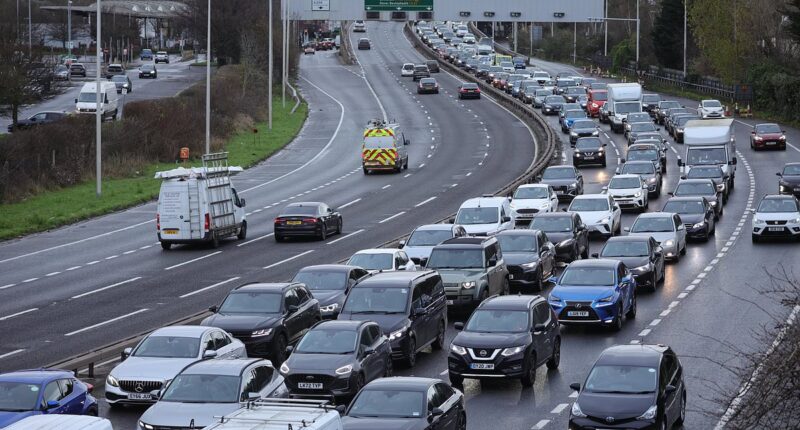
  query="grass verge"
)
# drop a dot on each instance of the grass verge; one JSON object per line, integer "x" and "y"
{"x": 56, "y": 208}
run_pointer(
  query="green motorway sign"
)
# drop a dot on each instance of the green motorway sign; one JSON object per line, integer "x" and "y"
{"x": 398, "y": 5}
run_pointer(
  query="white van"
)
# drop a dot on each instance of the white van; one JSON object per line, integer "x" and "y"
{"x": 86, "y": 103}
{"x": 200, "y": 204}
{"x": 61, "y": 422}
{"x": 282, "y": 414}
{"x": 485, "y": 216}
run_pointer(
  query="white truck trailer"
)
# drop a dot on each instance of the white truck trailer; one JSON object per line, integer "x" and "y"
{"x": 622, "y": 100}
{"x": 710, "y": 142}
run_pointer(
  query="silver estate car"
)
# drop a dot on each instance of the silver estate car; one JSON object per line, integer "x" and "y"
{"x": 163, "y": 354}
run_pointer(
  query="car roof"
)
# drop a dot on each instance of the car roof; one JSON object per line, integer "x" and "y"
{"x": 656, "y": 215}
{"x": 695, "y": 181}
{"x": 626, "y": 176}
{"x": 685, "y": 199}
{"x": 510, "y": 302}
{"x": 264, "y": 287}
{"x": 518, "y": 232}
{"x": 778, "y": 197}
{"x": 595, "y": 262}
{"x": 377, "y": 251}
{"x": 180, "y": 330}
{"x": 534, "y": 186}
{"x": 628, "y": 239}
{"x": 393, "y": 279}
{"x": 340, "y": 325}
{"x": 591, "y": 197}
{"x": 227, "y": 367}
{"x": 792, "y": 164}
{"x": 435, "y": 227}
{"x": 562, "y": 166}
{"x": 632, "y": 355}
{"x": 329, "y": 268}
{"x": 303, "y": 204}
{"x": 35, "y": 376}
{"x": 466, "y": 241}
{"x": 555, "y": 215}
{"x": 406, "y": 383}
{"x": 479, "y": 202}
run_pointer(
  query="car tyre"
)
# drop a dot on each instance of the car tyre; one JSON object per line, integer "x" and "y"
{"x": 323, "y": 234}
{"x": 706, "y": 234}
{"x": 438, "y": 343}
{"x": 555, "y": 357}
{"x": 462, "y": 422}
{"x": 506, "y": 288}
{"x": 242, "y": 231}
{"x": 616, "y": 325}
{"x": 278, "y": 238}
{"x": 632, "y": 311}
{"x": 389, "y": 371}
{"x": 683, "y": 250}
{"x": 339, "y": 227}
{"x": 529, "y": 371}
{"x": 756, "y": 238}
{"x": 279, "y": 350}
{"x": 166, "y": 247}
{"x": 682, "y": 415}
{"x": 653, "y": 282}
{"x": 214, "y": 241}
{"x": 411, "y": 354}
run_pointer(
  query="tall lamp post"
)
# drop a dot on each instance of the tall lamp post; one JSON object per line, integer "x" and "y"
{"x": 208, "y": 81}
{"x": 623, "y": 19}
{"x": 97, "y": 113}
{"x": 69, "y": 27}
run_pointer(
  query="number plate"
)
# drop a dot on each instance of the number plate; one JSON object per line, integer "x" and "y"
{"x": 140, "y": 396}
{"x": 770, "y": 143}
{"x": 294, "y": 222}
{"x": 310, "y": 385}
{"x": 578, "y": 313}
{"x": 170, "y": 231}
{"x": 481, "y": 366}
{"x": 449, "y": 302}
{"x": 775, "y": 228}
{"x": 591, "y": 157}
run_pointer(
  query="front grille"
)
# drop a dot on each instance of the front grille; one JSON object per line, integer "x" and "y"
{"x": 588, "y": 154}
{"x": 527, "y": 211}
{"x": 516, "y": 272}
{"x": 140, "y": 386}
{"x": 482, "y": 352}
{"x": 776, "y": 222}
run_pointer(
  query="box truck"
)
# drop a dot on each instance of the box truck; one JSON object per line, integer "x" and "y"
{"x": 710, "y": 142}
{"x": 622, "y": 100}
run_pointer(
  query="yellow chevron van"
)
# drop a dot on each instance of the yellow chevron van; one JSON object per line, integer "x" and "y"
{"x": 384, "y": 147}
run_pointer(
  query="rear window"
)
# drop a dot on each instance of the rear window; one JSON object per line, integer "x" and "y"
{"x": 114, "y": 68}
{"x": 469, "y": 86}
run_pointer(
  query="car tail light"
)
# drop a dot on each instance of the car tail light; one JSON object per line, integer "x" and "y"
{"x": 207, "y": 225}
{"x": 279, "y": 220}
{"x": 310, "y": 220}
{"x": 89, "y": 388}
{"x": 477, "y": 90}
{"x": 158, "y": 222}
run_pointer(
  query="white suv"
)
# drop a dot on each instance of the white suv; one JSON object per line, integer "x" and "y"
{"x": 531, "y": 199}
{"x": 485, "y": 216}
{"x": 776, "y": 216}
{"x": 710, "y": 109}
{"x": 629, "y": 191}
{"x": 599, "y": 212}
{"x": 407, "y": 70}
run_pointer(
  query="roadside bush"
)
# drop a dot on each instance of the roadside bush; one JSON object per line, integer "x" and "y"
{"x": 777, "y": 90}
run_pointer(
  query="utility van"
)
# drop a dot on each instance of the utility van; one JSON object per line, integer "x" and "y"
{"x": 86, "y": 103}
{"x": 200, "y": 204}
{"x": 384, "y": 148}
{"x": 281, "y": 414}
{"x": 61, "y": 422}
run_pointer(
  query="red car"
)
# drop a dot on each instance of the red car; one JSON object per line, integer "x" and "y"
{"x": 597, "y": 98}
{"x": 765, "y": 136}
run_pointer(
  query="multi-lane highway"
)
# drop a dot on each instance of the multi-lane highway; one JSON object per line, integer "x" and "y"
{"x": 82, "y": 286}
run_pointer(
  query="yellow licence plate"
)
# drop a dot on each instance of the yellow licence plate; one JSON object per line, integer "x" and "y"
{"x": 294, "y": 222}
{"x": 170, "y": 231}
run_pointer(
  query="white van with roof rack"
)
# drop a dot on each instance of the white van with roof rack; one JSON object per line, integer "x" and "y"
{"x": 282, "y": 414}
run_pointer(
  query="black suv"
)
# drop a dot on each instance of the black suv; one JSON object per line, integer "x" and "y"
{"x": 330, "y": 284}
{"x": 635, "y": 386}
{"x": 410, "y": 308}
{"x": 530, "y": 258}
{"x": 266, "y": 317}
{"x": 566, "y": 231}
{"x": 472, "y": 269}
{"x": 506, "y": 337}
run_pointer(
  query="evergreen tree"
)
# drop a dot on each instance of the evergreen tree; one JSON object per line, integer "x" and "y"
{"x": 667, "y": 34}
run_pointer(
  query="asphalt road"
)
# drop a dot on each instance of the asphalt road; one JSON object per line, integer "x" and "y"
{"x": 172, "y": 79}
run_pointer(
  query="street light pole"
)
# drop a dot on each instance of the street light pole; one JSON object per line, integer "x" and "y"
{"x": 30, "y": 29}
{"x": 208, "y": 80}
{"x": 284, "y": 15}
{"x": 270, "y": 63}
{"x": 637, "y": 33}
{"x": 605, "y": 24}
{"x": 69, "y": 26}
{"x": 685, "y": 7}
{"x": 98, "y": 116}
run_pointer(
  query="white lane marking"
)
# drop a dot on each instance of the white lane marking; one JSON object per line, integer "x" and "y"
{"x": 469, "y": 174}
{"x": 75, "y": 242}
{"x": 7, "y": 317}
{"x": 644, "y": 332}
{"x": 372, "y": 90}
{"x": 682, "y": 295}
{"x": 346, "y": 236}
{"x": 208, "y": 287}
{"x": 255, "y": 240}
{"x": 111, "y": 257}
{"x": 9, "y": 354}
{"x": 129, "y": 252}
{"x": 560, "y": 408}
{"x": 92, "y": 263}
{"x": 88, "y": 293}
{"x": 386, "y": 186}
{"x": 540, "y": 425}
{"x": 391, "y": 217}
{"x": 665, "y": 313}
{"x": 655, "y": 322}
{"x": 289, "y": 259}
{"x": 7, "y": 286}
{"x": 350, "y": 203}
{"x": 106, "y": 322}
{"x": 574, "y": 395}
{"x": 422, "y": 165}
{"x": 193, "y": 260}
{"x": 73, "y": 268}
{"x": 673, "y": 304}
{"x": 29, "y": 280}
{"x": 407, "y": 175}
{"x": 52, "y": 274}
{"x": 425, "y": 201}
{"x": 691, "y": 287}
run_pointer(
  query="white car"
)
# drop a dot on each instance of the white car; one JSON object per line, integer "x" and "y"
{"x": 382, "y": 260}
{"x": 629, "y": 191}
{"x": 485, "y": 216}
{"x": 776, "y": 216}
{"x": 407, "y": 70}
{"x": 599, "y": 212}
{"x": 541, "y": 76}
{"x": 666, "y": 228}
{"x": 469, "y": 39}
{"x": 421, "y": 241}
{"x": 531, "y": 199}
{"x": 710, "y": 109}
{"x": 359, "y": 27}
{"x": 507, "y": 66}
{"x": 462, "y": 31}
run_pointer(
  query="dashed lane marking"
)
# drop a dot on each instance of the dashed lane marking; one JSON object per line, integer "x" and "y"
{"x": 193, "y": 260}
{"x": 88, "y": 293}
{"x": 208, "y": 287}
{"x": 112, "y": 320}
{"x": 7, "y": 317}
{"x": 289, "y": 259}
{"x": 346, "y": 236}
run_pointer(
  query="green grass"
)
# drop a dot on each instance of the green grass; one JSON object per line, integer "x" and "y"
{"x": 56, "y": 208}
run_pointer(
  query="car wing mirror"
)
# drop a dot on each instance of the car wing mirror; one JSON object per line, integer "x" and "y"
{"x": 435, "y": 413}
{"x": 368, "y": 352}
{"x": 553, "y": 279}
{"x": 779, "y": 174}
{"x": 401, "y": 244}
{"x": 420, "y": 311}
{"x": 537, "y": 328}
{"x": 213, "y": 309}
{"x": 492, "y": 262}
{"x": 52, "y": 404}
{"x": 506, "y": 219}
{"x": 242, "y": 202}
{"x": 293, "y": 308}
{"x": 575, "y": 386}
{"x": 627, "y": 229}
{"x": 125, "y": 353}
{"x": 458, "y": 326}
{"x": 253, "y": 396}
{"x": 209, "y": 354}
{"x": 670, "y": 389}
{"x": 155, "y": 394}
{"x": 595, "y": 255}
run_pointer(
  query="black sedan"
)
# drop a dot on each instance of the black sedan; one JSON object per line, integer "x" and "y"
{"x": 428, "y": 86}
{"x": 701, "y": 188}
{"x": 407, "y": 403}
{"x": 696, "y": 213}
{"x": 123, "y": 83}
{"x": 335, "y": 359}
{"x": 713, "y": 172}
{"x": 530, "y": 257}
{"x": 39, "y": 118}
{"x": 566, "y": 230}
{"x": 469, "y": 90}
{"x": 307, "y": 219}
{"x": 148, "y": 71}
{"x": 552, "y": 105}
{"x": 641, "y": 254}
{"x": 789, "y": 182}
{"x": 330, "y": 284}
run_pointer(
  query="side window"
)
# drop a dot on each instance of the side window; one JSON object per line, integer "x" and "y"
{"x": 52, "y": 392}
{"x": 403, "y": 257}
{"x": 366, "y": 338}
{"x": 576, "y": 221}
{"x": 664, "y": 376}
{"x": 672, "y": 366}
{"x": 416, "y": 297}
{"x": 438, "y": 287}
{"x": 677, "y": 220}
{"x": 426, "y": 291}
{"x": 498, "y": 252}
{"x": 291, "y": 299}
{"x": 302, "y": 295}
{"x": 444, "y": 391}
{"x": 236, "y": 200}
{"x": 355, "y": 275}
{"x": 375, "y": 332}
{"x": 323, "y": 209}
{"x": 248, "y": 384}
{"x": 208, "y": 341}
{"x": 541, "y": 313}
{"x": 620, "y": 272}
{"x": 220, "y": 340}
{"x": 434, "y": 400}
{"x": 262, "y": 375}
{"x": 67, "y": 386}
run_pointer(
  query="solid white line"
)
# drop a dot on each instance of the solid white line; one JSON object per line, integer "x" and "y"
{"x": 289, "y": 259}
{"x": 9, "y": 354}
{"x": 105, "y": 288}
{"x": 391, "y": 217}
{"x": 7, "y": 286}
{"x": 107, "y": 362}
{"x": 372, "y": 90}
{"x": 7, "y": 317}
{"x": 208, "y": 287}
{"x": 560, "y": 408}
{"x": 386, "y": 186}
{"x": 192, "y": 261}
{"x": 106, "y": 322}
{"x": 425, "y": 201}
{"x": 350, "y": 203}
{"x": 540, "y": 425}
{"x": 255, "y": 240}
{"x": 346, "y": 236}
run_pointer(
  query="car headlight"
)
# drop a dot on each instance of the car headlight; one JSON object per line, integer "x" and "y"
{"x": 578, "y": 154}
{"x": 145, "y": 426}
{"x": 344, "y": 370}
{"x": 669, "y": 243}
{"x": 649, "y": 414}
{"x": 698, "y": 225}
{"x": 595, "y": 105}
{"x": 713, "y": 203}
{"x": 573, "y": 185}
{"x": 605, "y": 220}
{"x": 467, "y": 285}
{"x": 679, "y": 130}
{"x": 554, "y": 298}
{"x": 795, "y": 221}
{"x": 720, "y": 187}
{"x": 782, "y": 138}
{"x": 595, "y": 133}
{"x": 758, "y": 221}
{"x": 512, "y": 351}
{"x": 641, "y": 269}
{"x": 572, "y": 133}
{"x": 460, "y": 350}
{"x": 531, "y": 265}
{"x": 638, "y": 194}
{"x": 284, "y": 368}
{"x": 330, "y": 308}
{"x": 651, "y": 180}
{"x": 111, "y": 380}
{"x": 607, "y": 299}
{"x": 398, "y": 334}
{"x": 262, "y": 332}
{"x": 576, "y": 411}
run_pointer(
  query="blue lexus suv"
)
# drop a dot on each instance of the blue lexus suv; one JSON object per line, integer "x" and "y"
{"x": 43, "y": 391}
{"x": 597, "y": 292}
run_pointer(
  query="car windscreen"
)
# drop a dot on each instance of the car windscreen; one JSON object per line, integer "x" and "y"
{"x": 638, "y": 117}
{"x": 378, "y": 261}
{"x": 469, "y": 86}
{"x": 587, "y": 276}
{"x": 600, "y": 96}
{"x": 88, "y": 97}
{"x": 453, "y": 258}
{"x": 669, "y": 105}
{"x": 681, "y": 121}
{"x": 18, "y": 396}
{"x": 168, "y": 347}
{"x": 644, "y": 155}
{"x": 777, "y": 205}
{"x": 684, "y": 207}
{"x": 201, "y": 388}
{"x": 554, "y": 99}
{"x": 712, "y": 104}
{"x": 427, "y": 81}
{"x": 563, "y": 83}
{"x": 147, "y": 67}
{"x": 322, "y": 341}
{"x": 625, "y": 249}
{"x": 589, "y": 143}
{"x": 574, "y": 114}
{"x": 705, "y": 172}
{"x": 575, "y": 90}
{"x": 532, "y": 193}
{"x": 428, "y": 237}
{"x": 120, "y": 78}
{"x": 300, "y": 210}
{"x": 624, "y": 183}
{"x": 695, "y": 189}
{"x": 251, "y": 302}
{"x": 552, "y": 224}
{"x": 662, "y": 224}
{"x": 583, "y": 124}
{"x": 768, "y": 128}
{"x": 621, "y": 380}
{"x": 469, "y": 216}
{"x": 365, "y": 299}
{"x": 627, "y": 107}
{"x": 379, "y": 142}
{"x": 540, "y": 93}
{"x": 558, "y": 173}
{"x": 322, "y": 279}
{"x": 638, "y": 168}
{"x": 706, "y": 156}
{"x": 589, "y": 205}
{"x": 792, "y": 170}
{"x": 642, "y": 126}
{"x": 388, "y": 404}
{"x": 408, "y": 67}
{"x": 518, "y": 242}
{"x": 498, "y": 321}
{"x": 506, "y": 64}
{"x": 651, "y": 98}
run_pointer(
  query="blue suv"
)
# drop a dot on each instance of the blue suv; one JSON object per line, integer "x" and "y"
{"x": 597, "y": 292}
{"x": 43, "y": 391}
